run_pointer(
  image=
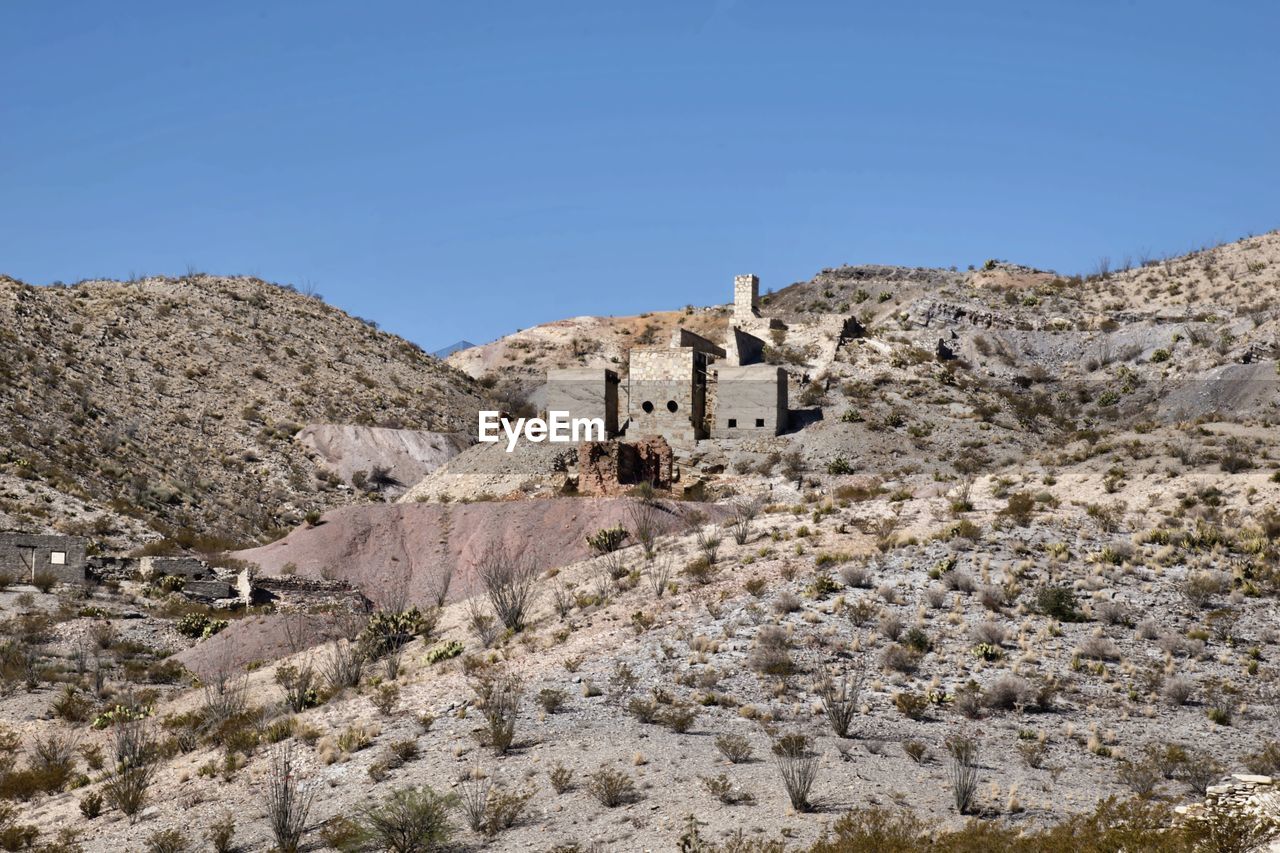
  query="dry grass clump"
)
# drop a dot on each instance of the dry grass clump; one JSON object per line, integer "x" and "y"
{"x": 772, "y": 652}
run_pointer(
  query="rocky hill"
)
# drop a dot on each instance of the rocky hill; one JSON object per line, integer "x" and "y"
{"x": 171, "y": 405}
{"x": 1017, "y": 553}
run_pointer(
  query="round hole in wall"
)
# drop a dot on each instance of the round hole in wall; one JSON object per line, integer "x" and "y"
{"x": 672, "y": 405}
{"x": 647, "y": 406}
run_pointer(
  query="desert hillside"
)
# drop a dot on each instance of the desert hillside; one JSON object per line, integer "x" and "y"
{"x": 171, "y": 405}
{"x": 1008, "y": 580}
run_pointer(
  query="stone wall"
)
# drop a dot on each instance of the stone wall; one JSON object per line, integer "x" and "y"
{"x": 25, "y": 555}
{"x": 746, "y": 297}
{"x": 667, "y": 392}
{"x": 616, "y": 467}
{"x": 191, "y": 568}
{"x": 291, "y": 592}
{"x": 1242, "y": 794}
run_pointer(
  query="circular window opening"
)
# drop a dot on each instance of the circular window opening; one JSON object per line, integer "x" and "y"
{"x": 647, "y": 406}
{"x": 672, "y": 405}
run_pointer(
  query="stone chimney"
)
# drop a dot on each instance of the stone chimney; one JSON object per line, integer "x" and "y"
{"x": 746, "y": 297}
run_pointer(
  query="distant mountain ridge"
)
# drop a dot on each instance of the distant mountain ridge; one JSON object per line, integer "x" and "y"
{"x": 458, "y": 346}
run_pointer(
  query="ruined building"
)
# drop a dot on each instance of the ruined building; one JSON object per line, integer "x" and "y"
{"x": 689, "y": 390}
{"x": 24, "y": 556}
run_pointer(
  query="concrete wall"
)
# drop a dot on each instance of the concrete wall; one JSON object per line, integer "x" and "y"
{"x": 585, "y": 392}
{"x": 748, "y": 401}
{"x": 685, "y": 338}
{"x": 667, "y": 392}
{"x": 742, "y": 348}
{"x": 24, "y": 555}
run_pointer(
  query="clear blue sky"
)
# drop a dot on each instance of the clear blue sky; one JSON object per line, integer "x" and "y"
{"x": 462, "y": 169}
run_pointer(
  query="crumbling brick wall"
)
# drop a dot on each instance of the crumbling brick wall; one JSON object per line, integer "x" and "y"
{"x": 615, "y": 467}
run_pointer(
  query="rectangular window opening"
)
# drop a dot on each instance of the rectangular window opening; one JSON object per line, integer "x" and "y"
{"x": 58, "y": 558}
{"x": 759, "y": 422}
{"x": 733, "y": 422}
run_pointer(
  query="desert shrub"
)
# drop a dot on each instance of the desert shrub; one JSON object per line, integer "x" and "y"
{"x": 607, "y": 539}
{"x": 734, "y": 747}
{"x": 1148, "y": 629}
{"x": 473, "y": 799}
{"x": 498, "y": 696}
{"x": 785, "y": 601}
{"x": 91, "y": 805}
{"x": 1199, "y": 588}
{"x": 1057, "y": 602}
{"x": 1141, "y": 776}
{"x": 44, "y": 581}
{"x": 679, "y": 718}
{"x": 53, "y": 760}
{"x": 988, "y": 633}
{"x": 504, "y": 809}
{"x": 509, "y": 579}
{"x": 840, "y": 701}
{"x": 991, "y": 597}
{"x": 911, "y": 705}
{"x": 889, "y": 626}
{"x": 856, "y": 576}
{"x": 1199, "y": 770}
{"x": 1266, "y": 761}
{"x": 900, "y": 659}
{"x": 1179, "y": 690}
{"x": 298, "y": 684}
{"x": 1020, "y": 508}
{"x": 918, "y": 641}
{"x": 409, "y": 820}
{"x": 129, "y": 781}
{"x": 343, "y": 667}
{"x": 385, "y": 698}
{"x": 444, "y": 651}
{"x": 968, "y": 701}
{"x": 561, "y": 778}
{"x": 958, "y": 581}
{"x": 744, "y": 513}
{"x": 772, "y": 652}
{"x": 1033, "y": 753}
{"x": 288, "y": 802}
{"x": 168, "y": 841}
{"x": 963, "y": 770}
{"x": 915, "y": 750}
{"x": 1006, "y": 693}
{"x": 1098, "y": 648}
{"x": 221, "y": 833}
{"x": 611, "y": 788}
{"x": 644, "y": 710}
{"x": 798, "y": 766}
{"x": 551, "y": 699}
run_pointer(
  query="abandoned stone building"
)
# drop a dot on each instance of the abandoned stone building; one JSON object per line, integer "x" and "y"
{"x": 689, "y": 390}
{"x": 24, "y": 556}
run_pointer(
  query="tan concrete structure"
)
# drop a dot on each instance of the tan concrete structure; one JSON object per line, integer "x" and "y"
{"x": 585, "y": 392}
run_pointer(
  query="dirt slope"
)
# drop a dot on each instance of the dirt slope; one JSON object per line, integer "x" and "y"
{"x": 378, "y": 548}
